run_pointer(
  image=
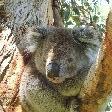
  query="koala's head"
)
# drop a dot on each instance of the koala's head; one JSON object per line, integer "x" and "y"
{"x": 65, "y": 53}
{"x": 60, "y": 54}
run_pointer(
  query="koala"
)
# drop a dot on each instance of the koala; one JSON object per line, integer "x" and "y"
{"x": 57, "y": 61}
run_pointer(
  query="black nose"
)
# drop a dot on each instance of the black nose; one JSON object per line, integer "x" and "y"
{"x": 53, "y": 70}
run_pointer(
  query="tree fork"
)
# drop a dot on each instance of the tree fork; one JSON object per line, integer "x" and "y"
{"x": 97, "y": 88}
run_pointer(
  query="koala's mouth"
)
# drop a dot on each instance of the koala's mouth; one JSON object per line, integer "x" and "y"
{"x": 52, "y": 73}
{"x": 55, "y": 80}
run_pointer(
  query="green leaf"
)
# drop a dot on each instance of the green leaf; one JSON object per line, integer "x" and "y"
{"x": 86, "y": 4}
{"x": 65, "y": 5}
{"x": 75, "y": 9}
{"x": 66, "y": 15}
{"x": 95, "y": 18}
{"x": 76, "y": 20}
{"x": 69, "y": 23}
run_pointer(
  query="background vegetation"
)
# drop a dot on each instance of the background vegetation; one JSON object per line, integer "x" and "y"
{"x": 83, "y": 12}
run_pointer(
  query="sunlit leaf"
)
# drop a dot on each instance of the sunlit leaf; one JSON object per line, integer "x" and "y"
{"x": 69, "y": 23}
{"x": 95, "y": 18}
{"x": 75, "y": 9}
{"x": 66, "y": 15}
{"x": 76, "y": 20}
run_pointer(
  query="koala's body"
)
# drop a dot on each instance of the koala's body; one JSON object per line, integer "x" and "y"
{"x": 57, "y": 60}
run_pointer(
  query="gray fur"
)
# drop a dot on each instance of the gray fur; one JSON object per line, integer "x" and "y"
{"x": 74, "y": 50}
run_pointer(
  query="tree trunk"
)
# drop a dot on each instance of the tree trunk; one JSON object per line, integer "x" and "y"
{"x": 20, "y": 14}
{"x": 97, "y": 89}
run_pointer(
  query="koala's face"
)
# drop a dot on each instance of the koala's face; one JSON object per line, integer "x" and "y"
{"x": 59, "y": 56}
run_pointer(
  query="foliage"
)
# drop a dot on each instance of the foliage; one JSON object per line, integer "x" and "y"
{"x": 82, "y": 12}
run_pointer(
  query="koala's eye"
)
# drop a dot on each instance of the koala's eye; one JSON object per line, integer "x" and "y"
{"x": 70, "y": 60}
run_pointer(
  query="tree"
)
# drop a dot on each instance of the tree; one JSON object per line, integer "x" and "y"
{"x": 18, "y": 15}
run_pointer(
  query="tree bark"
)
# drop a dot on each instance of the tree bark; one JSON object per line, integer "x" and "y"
{"x": 17, "y": 15}
{"x": 97, "y": 89}
{"x": 56, "y": 13}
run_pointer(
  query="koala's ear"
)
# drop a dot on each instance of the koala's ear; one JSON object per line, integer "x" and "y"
{"x": 30, "y": 39}
{"x": 87, "y": 35}
{"x": 28, "y": 42}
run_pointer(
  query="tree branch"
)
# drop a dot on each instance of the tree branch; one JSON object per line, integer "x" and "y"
{"x": 97, "y": 88}
{"x": 56, "y": 13}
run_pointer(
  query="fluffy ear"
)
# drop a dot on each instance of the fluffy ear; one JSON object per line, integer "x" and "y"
{"x": 87, "y": 35}
{"x": 28, "y": 42}
{"x": 30, "y": 38}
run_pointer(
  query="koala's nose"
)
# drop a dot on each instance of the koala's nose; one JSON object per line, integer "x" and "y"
{"x": 53, "y": 70}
